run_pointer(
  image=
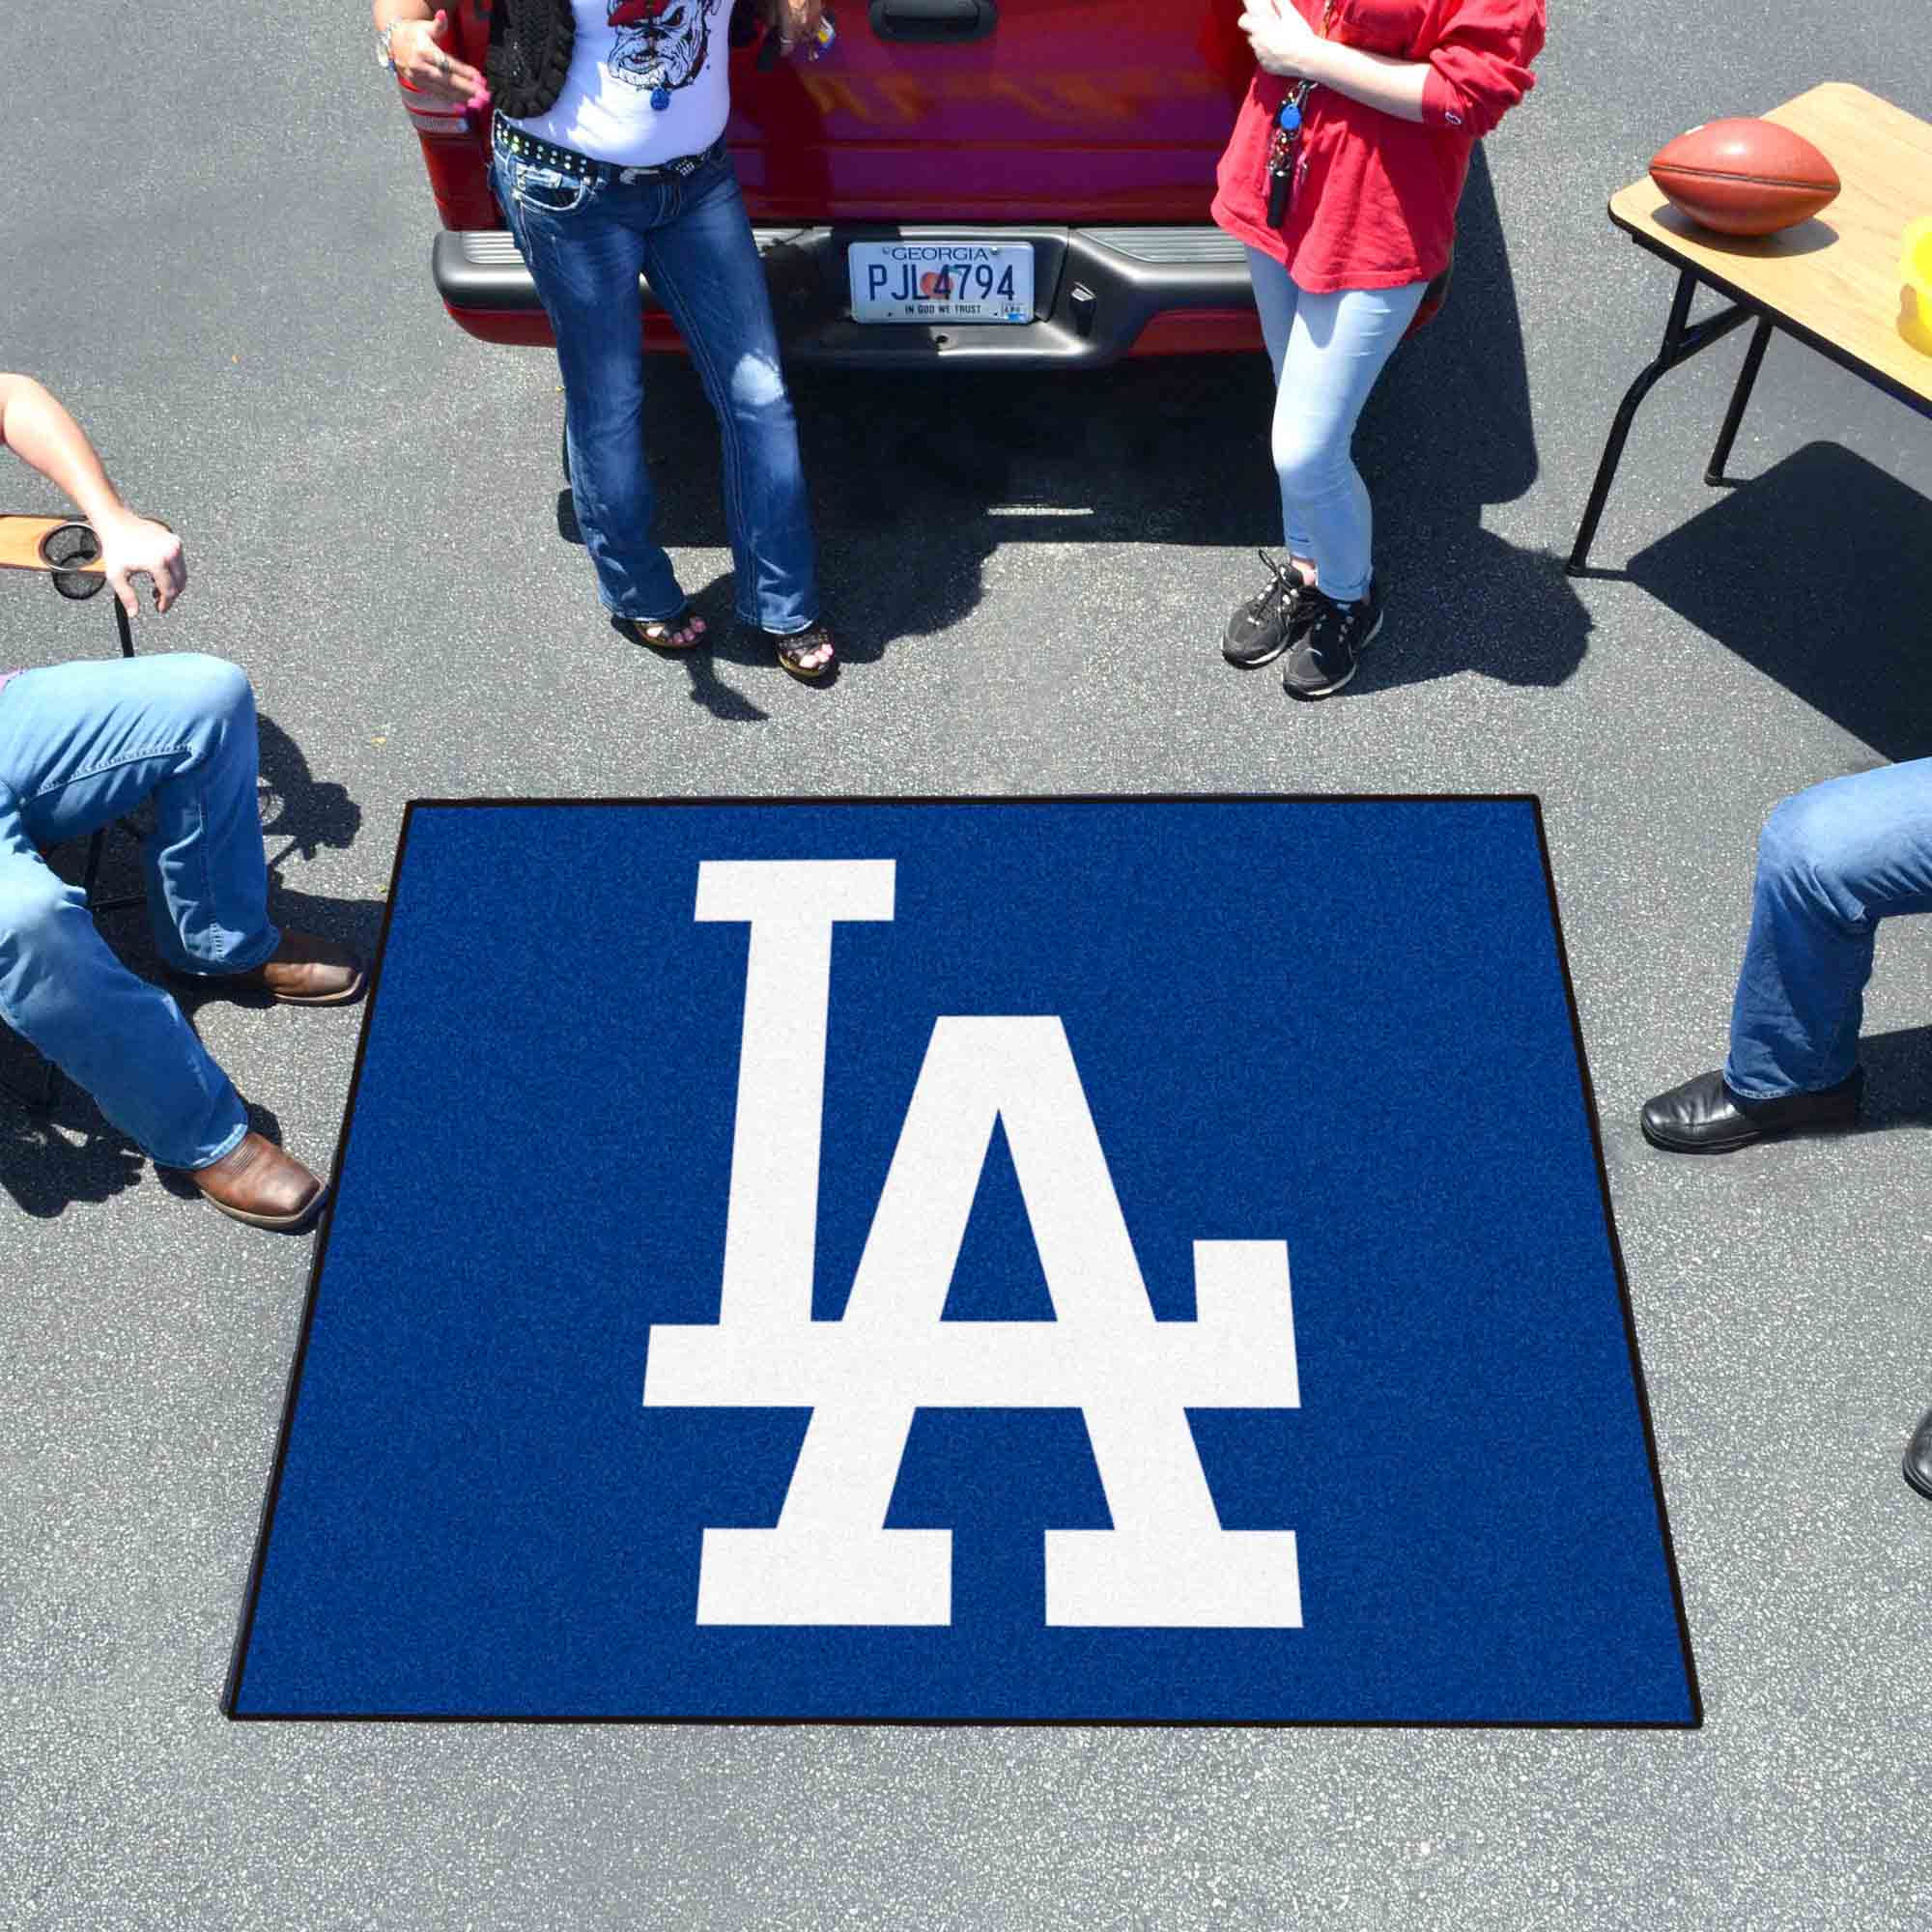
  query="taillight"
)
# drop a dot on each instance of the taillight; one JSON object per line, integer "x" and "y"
{"x": 435, "y": 119}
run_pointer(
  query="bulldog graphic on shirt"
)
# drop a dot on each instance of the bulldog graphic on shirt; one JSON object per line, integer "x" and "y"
{"x": 661, "y": 44}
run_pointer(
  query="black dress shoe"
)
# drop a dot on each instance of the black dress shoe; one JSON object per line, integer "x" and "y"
{"x": 1703, "y": 1116}
{"x": 1918, "y": 1455}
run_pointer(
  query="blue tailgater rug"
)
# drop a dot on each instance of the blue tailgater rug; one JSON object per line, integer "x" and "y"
{"x": 1138, "y": 1261}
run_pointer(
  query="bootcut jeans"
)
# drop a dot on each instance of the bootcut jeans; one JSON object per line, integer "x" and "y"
{"x": 1832, "y": 862}
{"x": 585, "y": 243}
{"x": 81, "y": 744}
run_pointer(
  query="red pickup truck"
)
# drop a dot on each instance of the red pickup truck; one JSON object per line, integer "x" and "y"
{"x": 1054, "y": 155}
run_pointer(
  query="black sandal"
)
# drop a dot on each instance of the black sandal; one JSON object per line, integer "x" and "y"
{"x": 793, "y": 647}
{"x": 659, "y": 634}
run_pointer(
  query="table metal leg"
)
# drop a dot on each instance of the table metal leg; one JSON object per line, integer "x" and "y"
{"x": 1740, "y": 397}
{"x": 94, "y": 849}
{"x": 1681, "y": 341}
{"x": 99, "y": 838}
{"x": 45, "y": 1099}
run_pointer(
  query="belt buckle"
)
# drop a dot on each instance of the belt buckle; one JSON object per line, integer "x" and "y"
{"x": 627, "y": 176}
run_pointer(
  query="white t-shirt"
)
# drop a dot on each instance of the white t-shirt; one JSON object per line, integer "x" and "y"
{"x": 647, "y": 81}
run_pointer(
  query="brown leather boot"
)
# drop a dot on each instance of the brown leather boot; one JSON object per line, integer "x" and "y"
{"x": 257, "y": 1182}
{"x": 306, "y": 969}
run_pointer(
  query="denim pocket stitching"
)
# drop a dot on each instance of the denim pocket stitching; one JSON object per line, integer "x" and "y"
{"x": 524, "y": 178}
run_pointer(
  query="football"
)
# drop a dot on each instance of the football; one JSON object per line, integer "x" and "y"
{"x": 1745, "y": 176}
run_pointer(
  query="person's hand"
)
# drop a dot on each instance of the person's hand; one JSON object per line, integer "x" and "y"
{"x": 1283, "y": 41}
{"x": 133, "y": 547}
{"x": 795, "y": 21}
{"x": 419, "y": 50}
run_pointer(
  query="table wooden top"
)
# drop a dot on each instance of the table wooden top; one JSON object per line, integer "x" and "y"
{"x": 1836, "y": 276}
{"x": 21, "y": 540}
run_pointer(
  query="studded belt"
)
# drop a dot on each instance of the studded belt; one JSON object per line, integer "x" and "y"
{"x": 568, "y": 161}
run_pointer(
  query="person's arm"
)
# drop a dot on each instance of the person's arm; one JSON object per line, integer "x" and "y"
{"x": 1377, "y": 80}
{"x": 41, "y": 434}
{"x": 1284, "y": 44}
{"x": 418, "y": 44}
{"x": 1474, "y": 74}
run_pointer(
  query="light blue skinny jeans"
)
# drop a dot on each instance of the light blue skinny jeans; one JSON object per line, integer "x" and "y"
{"x": 80, "y": 745}
{"x": 1327, "y": 352}
{"x": 585, "y": 243}
{"x": 1832, "y": 863}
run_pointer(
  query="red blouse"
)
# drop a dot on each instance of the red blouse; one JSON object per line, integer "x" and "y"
{"x": 1374, "y": 197}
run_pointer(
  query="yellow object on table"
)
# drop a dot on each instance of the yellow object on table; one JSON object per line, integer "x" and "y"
{"x": 1915, "y": 306}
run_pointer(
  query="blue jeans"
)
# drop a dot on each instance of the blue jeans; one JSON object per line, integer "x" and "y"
{"x": 585, "y": 244}
{"x": 1831, "y": 862}
{"x": 1327, "y": 352}
{"x": 80, "y": 745}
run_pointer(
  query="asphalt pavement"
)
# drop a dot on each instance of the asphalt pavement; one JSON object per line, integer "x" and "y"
{"x": 216, "y": 251}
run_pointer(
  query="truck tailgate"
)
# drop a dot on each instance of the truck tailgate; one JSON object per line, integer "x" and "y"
{"x": 1078, "y": 136}
{"x": 1064, "y": 111}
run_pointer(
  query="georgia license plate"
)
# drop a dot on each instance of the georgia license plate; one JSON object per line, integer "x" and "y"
{"x": 941, "y": 281}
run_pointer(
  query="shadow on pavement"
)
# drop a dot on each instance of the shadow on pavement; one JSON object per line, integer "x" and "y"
{"x": 47, "y": 1163}
{"x": 1447, "y": 431}
{"x": 1819, "y": 574}
{"x": 1898, "y": 1077}
{"x": 917, "y": 479}
{"x": 308, "y": 813}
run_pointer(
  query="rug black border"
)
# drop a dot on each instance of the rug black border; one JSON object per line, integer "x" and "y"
{"x": 232, "y": 1690}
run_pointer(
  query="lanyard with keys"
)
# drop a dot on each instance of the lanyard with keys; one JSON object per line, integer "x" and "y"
{"x": 1288, "y": 137}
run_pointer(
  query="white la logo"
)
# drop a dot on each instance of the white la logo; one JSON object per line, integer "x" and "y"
{"x": 1167, "y": 1561}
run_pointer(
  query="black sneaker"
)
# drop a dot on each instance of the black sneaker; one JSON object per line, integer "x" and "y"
{"x": 1325, "y": 658}
{"x": 1264, "y": 626}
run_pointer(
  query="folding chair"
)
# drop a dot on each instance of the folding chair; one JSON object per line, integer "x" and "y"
{"x": 69, "y": 554}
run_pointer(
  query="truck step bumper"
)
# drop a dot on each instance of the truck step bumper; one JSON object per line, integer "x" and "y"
{"x": 1099, "y": 293}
